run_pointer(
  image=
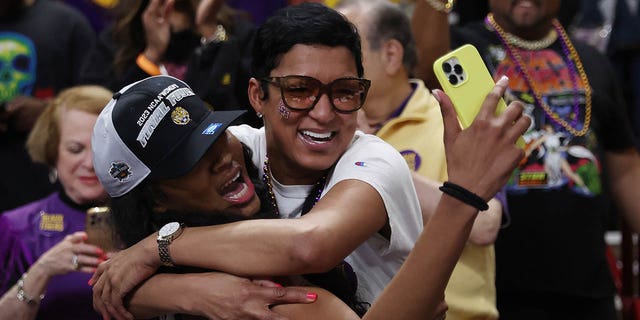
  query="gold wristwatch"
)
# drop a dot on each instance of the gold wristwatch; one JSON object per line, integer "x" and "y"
{"x": 166, "y": 235}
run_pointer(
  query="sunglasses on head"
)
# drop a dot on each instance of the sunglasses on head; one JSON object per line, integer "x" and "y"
{"x": 301, "y": 93}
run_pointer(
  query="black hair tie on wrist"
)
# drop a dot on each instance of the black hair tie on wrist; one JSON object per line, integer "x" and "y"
{"x": 464, "y": 195}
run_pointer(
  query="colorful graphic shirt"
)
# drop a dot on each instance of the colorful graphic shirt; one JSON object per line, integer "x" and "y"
{"x": 558, "y": 205}
{"x": 555, "y": 158}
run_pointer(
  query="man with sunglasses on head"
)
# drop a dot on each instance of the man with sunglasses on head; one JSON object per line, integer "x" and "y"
{"x": 351, "y": 193}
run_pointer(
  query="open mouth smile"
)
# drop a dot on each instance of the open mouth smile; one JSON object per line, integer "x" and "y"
{"x": 238, "y": 190}
{"x": 317, "y": 137}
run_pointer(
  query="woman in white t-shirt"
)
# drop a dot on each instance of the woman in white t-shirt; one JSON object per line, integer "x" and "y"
{"x": 307, "y": 86}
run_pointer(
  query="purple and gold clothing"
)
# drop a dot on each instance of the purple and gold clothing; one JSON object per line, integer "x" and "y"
{"x": 28, "y": 232}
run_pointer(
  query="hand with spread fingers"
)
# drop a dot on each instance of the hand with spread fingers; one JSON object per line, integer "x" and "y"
{"x": 487, "y": 148}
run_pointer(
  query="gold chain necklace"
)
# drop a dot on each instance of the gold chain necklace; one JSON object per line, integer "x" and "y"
{"x": 316, "y": 190}
{"x": 572, "y": 55}
{"x": 545, "y": 42}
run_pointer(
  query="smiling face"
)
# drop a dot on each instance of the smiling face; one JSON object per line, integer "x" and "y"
{"x": 530, "y": 19}
{"x": 303, "y": 144}
{"x": 74, "y": 163}
{"x": 218, "y": 183}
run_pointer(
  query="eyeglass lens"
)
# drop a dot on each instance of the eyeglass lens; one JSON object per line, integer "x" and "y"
{"x": 300, "y": 92}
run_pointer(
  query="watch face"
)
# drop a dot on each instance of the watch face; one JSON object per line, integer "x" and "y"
{"x": 168, "y": 229}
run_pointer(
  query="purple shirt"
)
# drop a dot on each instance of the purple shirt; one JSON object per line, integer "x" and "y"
{"x": 28, "y": 232}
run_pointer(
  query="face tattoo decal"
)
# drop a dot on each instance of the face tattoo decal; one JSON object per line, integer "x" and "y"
{"x": 284, "y": 112}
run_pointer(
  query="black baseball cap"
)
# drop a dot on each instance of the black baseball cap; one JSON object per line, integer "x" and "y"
{"x": 156, "y": 128}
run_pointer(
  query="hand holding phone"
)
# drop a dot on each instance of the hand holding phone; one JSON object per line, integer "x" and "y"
{"x": 466, "y": 80}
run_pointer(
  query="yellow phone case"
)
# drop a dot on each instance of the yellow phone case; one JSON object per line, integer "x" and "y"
{"x": 466, "y": 80}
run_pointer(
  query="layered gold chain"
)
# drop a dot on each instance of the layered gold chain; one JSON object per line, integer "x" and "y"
{"x": 572, "y": 56}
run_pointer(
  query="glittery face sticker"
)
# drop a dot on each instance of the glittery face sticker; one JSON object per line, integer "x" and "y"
{"x": 284, "y": 111}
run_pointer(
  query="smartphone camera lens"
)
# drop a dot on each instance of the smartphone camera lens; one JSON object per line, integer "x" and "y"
{"x": 453, "y": 79}
{"x": 446, "y": 67}
{"x": 457, "y": 69}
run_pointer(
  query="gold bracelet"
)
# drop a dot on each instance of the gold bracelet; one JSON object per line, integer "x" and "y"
{"x": 23, "y": 296}
{"x": 442, "y": 7}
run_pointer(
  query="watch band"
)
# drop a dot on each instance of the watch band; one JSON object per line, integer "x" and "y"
{"x": 166, "y": 235}
{"x": 163, "y": 251}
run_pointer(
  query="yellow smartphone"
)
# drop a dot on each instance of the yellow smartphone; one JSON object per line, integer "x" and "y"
{"x": 467, "y": 81}
{"x": 99, "y": 230}
{"x": 464, "y": 77}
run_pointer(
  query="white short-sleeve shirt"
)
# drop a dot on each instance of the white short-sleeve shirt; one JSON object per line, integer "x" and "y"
{"x": 373, "y": 161}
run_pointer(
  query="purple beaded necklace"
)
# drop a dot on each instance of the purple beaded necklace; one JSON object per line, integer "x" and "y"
{"x": 309, "y": 202}
{"x": 574, "y": 70}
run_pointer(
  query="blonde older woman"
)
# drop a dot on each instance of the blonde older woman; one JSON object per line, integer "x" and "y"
{"x": 42, "y": 244}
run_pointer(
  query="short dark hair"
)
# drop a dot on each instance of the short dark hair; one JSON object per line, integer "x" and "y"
{"x": 388, "y": 21}
{"x": 307, "y": 23}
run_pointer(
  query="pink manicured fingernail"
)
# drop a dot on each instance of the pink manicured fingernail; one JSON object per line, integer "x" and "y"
{"x": 312, "y": 296}
{"x": 90, "y": 283}
{"x": 100, "y": 252}
{"x": 277, "y": 284}
{"x": 84, "y": 237}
